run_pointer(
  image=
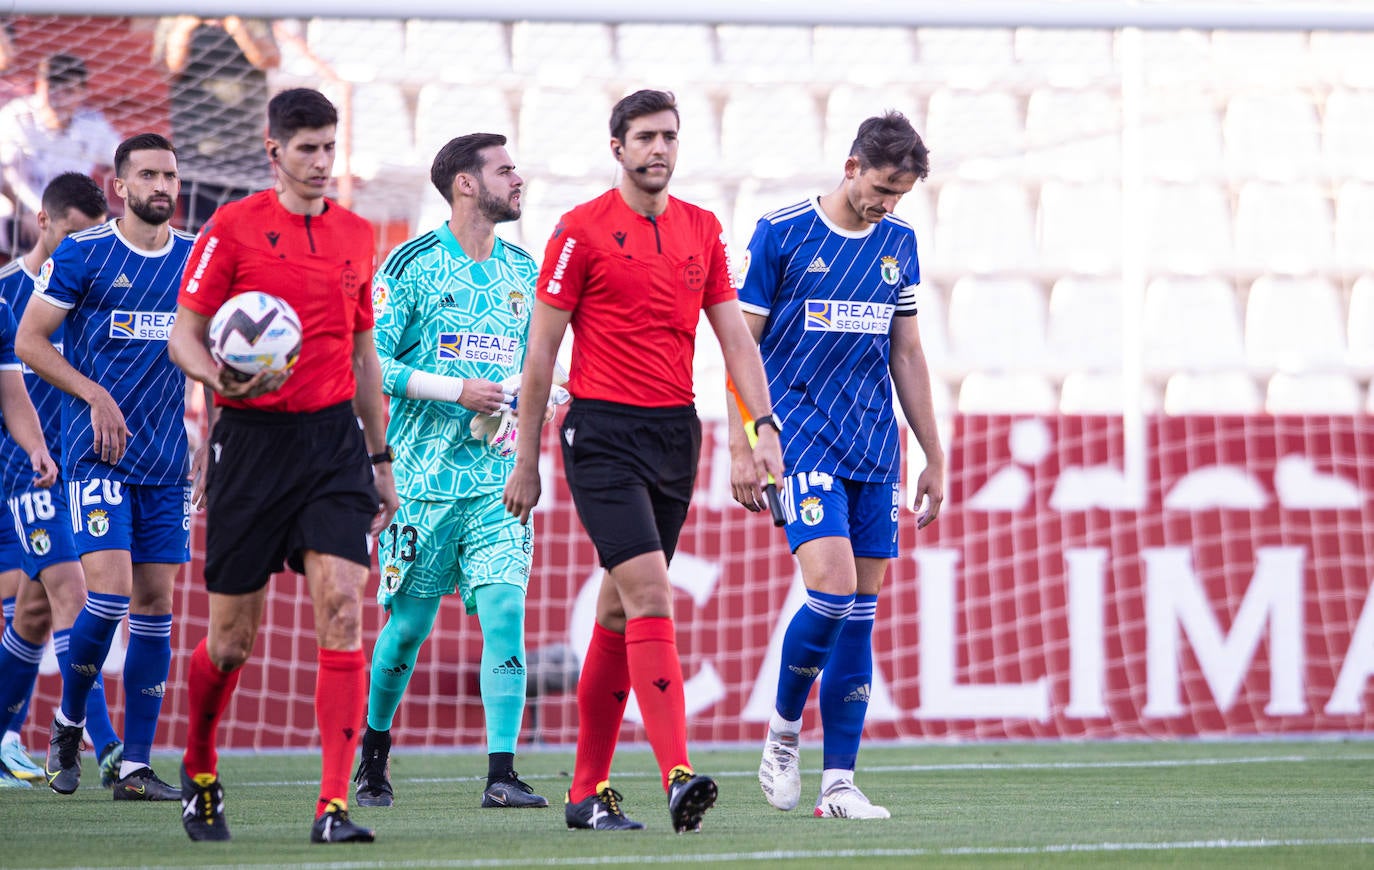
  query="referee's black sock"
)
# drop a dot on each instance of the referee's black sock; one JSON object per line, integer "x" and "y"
{"x": 500, "y": 765}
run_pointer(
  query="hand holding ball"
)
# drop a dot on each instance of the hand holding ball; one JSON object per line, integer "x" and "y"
{"x": 255, "y": 332}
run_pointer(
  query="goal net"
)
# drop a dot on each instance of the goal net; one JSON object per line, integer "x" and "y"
{"x": 1147, "y": 311}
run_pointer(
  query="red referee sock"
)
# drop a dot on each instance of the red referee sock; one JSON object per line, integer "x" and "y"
{"x": 601, "y": 694}
{"x": 340, "y": 697}
{"x": 209, "y": 690}
{"x": 656, "y": 674}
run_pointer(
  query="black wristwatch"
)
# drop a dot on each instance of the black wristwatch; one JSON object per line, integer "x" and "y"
{"x": 387, "y": 455}
{"x": 768, "y": 420}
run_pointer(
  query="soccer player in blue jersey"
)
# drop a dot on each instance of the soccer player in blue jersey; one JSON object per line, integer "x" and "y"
{"x": 453, "y": 308}
{"x": 113, "y": 288}
{"x": 829, "y": 292}
{"x": 38, "y": 543}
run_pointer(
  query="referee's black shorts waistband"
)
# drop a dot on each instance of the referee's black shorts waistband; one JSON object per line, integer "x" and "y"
{"x": 329, "y": 414}
{"x": 638, "y": 412}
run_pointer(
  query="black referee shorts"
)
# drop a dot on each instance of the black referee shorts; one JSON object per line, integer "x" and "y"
{"x": 279, "y": 484}
{"x": 631, "y": 471}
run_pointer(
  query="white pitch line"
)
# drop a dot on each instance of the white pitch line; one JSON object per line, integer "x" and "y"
{"x": 972, "y": 767}
{"x": 805, "y": 854}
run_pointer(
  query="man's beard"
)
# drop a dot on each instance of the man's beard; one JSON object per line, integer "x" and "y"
{"x": 496, "y": 210}
{"x": 151, "y": 212}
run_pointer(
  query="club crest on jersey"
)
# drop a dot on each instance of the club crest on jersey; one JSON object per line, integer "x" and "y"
{"x": 142, "y": 325}
{"x": 891, "y": 272}
{"x": 98, "y": 523}
{"x": 381, "y": 291}
{"x": 517, "y": 304}
{"x": 693, "y": 275}
{"x": 810, "y": 510}
{"x": 391, "y": 579}
{"x": 348, "y": 279}
{"x": 39, "y": 542}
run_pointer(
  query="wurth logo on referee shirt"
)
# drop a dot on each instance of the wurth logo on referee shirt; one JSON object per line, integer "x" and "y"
{"x": 556, "y": 280}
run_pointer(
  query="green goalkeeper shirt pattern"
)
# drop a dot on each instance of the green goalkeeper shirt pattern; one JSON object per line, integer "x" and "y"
{"x": 440, "y": 311}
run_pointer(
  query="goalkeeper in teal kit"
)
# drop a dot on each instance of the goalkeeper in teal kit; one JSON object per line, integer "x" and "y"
{"x": 453, "y": 308}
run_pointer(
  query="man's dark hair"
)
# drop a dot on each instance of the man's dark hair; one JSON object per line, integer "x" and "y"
{"x": 62, "y": 69}
{"x": 141, "y": 142}
{"x": 460, "y": 155}
{"x": 298, "y": 109}
{"x": 889, "y": 140}
{"x": 74, "y": 190}
{"x": 637, "y": 105}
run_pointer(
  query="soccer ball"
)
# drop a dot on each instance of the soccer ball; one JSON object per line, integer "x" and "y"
{"x": 254, "y": 332}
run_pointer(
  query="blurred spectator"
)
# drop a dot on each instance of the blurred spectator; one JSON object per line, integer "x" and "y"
{"x": 219, "y": 98}
{"x": 44, "y": 135}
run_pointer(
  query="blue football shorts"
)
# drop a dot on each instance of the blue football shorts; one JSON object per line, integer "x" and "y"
{"x": 820, "y": 506}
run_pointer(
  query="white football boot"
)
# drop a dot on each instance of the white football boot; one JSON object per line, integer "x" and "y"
{"x": 780, "y": 770}
{"x": 843, "y": 800}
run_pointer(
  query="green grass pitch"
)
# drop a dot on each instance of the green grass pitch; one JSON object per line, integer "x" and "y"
{"x": 1193, "y": 804}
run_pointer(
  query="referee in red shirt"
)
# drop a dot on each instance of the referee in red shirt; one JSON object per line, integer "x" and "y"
{"x": 631, "y": 271}
{"x": 289, "y": 478}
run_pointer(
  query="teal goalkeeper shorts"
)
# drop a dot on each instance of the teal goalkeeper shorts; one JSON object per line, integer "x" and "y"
{"x": 435, "y": 548}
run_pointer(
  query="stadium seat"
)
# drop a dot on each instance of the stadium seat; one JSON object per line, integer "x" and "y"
{"x": 756, "y": 198}
{"x": 1019, "y": 393}
{"x": 563, "y": 130}
{"x": 847, "y": 106}
{"x": 665, "y": 52}
{"x": 545, "y": 203}
{"x": 359, "y": 49}
{"x": 1283, "y": 228}
{"x": 443, "y": 111}
{"x": 772, "y": 132}
{"x": 997, "y": 323}
{"x": 1360, "y": 322}
{"x": 1102, "y": 393}
{"x": 562, "y": 53}
{"x": 382, "y": 130}
{"x": 1273, "y": 135}
{"x": 983, "y": 227}
{"x": 698, "y": 135}
{"x": 1073, "y": 134}
{"x": 1188, "y": 228}
{"x": 1192, "y": 323}
{"x": 932, "y": 321}
{"x": 1287, "y": 61}
{"x": 1079, "y": 227}
{"x": 865, "y": 55}
{"x": 1180, "y": 134}
{"x": 755, "y": 54}
{"x": 1211, "y": 393}
{"x": 979, "y": 132}
{"x": 1294, "y": 324}
{"x": 1313, "y": 393}
{"x": 430, "y": 50}
{"x": 1342, "y": 57}
{"x": 1354, "y": 245}
{"x": 1084, "y": 330}
{"x": 1347, "y": 135}
{"x": 965, "y": 57}
{"x": 1176, "y": 57}
{"x": 1075, "y": 58}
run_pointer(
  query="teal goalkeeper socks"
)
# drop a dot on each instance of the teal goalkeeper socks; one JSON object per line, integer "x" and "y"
{"x": 393, "y": 656}
{"x": 501, "y": 610}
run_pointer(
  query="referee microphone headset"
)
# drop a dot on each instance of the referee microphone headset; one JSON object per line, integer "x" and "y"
{"x": 620, "y": 152}
{"x": 275, "y": 154}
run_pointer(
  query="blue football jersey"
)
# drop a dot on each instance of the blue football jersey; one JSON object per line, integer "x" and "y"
{"x": 16, "y": 286}
{"x": 830, "y": 295}
{"x": 121, "y": 303}
{"x": 9, "y": 362}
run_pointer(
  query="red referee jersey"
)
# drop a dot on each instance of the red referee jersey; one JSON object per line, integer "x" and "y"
{"x": 636, "y": 288}
{"x": 321, "y": 265}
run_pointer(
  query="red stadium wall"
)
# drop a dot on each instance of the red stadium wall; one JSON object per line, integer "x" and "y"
{"x": 1234, "y": 602}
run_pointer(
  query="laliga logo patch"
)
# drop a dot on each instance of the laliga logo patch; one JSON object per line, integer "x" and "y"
{"x": 743, "y": 271}
{"x": 380, "y": 293}
{"x": 811, "y": 510}
{"x": 98, "y": 523}
{"x": 517, "y": 304}
{"x": 888, "y": 268}
{"x": 39, "y": 542}
{"x": 44, "y": 275}
{"x": 448, "y": 346}
{"x": 817, "y": 314}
